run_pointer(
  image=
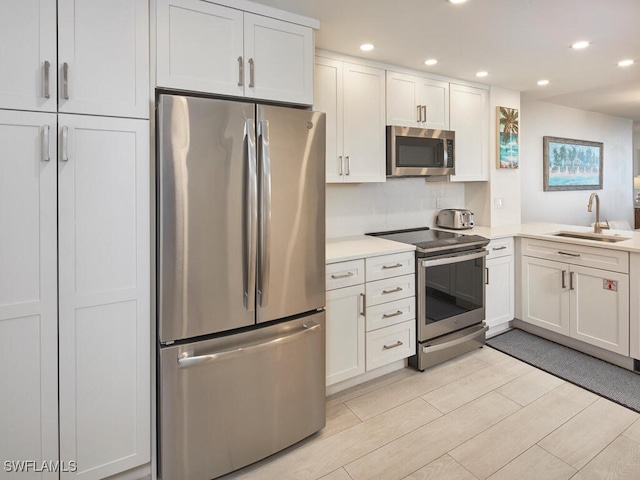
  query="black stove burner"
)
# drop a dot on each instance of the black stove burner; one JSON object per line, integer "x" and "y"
{"x": 434, "y": 242}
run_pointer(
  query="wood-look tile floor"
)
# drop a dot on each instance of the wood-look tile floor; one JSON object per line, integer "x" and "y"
{"x": 484, "y": 415}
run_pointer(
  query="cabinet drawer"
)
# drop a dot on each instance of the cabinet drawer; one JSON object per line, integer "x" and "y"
{"x": 391, "y": 289}
{"x": 387, "y": 266}
{"x": 614, "y": 260}
{"x": 391, "y": 313}
{"x": 500, "y": 247}
{"x": 344, "y": 274}
{"x": 389, "y": 344}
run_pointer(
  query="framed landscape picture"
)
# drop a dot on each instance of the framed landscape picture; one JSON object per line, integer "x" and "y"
{"x": 571, "y": 164}
{"x": 508, "y": 129}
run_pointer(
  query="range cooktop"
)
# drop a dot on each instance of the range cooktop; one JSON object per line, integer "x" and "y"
{"x": 434, "y": 242}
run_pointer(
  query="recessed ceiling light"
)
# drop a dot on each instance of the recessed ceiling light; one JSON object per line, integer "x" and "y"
{"x": 482, "y": 74}
{"x": 456, "y": 1}
{"x": 580, "y": 44}
{"x": 431, "y": 61}
{"x": 625, "y": 63}
{"x": 543, "y": 82}
{"x": 366, "y": 47}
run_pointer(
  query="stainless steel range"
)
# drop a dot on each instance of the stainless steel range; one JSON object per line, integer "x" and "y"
{"x": 450, "y": 292}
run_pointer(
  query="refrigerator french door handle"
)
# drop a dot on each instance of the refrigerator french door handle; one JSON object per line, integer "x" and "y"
{"x": 251, "y": 212}
{"x": 186, "y": 361}
{"x": 265, "y": 218}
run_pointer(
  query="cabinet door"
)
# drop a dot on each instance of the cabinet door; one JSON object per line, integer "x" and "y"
{"x": 364, "y": 128}
{"x": 600, "y": 308}
{"x": 28, "y": 55}
{"x": 545, "y": 294}
{"x": 28, "y": 290}
{"x": 103, "y": 57}
{"x": 403, "y": 100}
{"x": 468, "y": 117}
{"x": 345, "y": 333}
{"x": 104, "y": 323}
{"x": 278, "y": 60}
{"x": 500, "y": 291}
{"x": 199, "y": 47}
{"x": 435, "y": 98}
{"x": 328, "y": 99}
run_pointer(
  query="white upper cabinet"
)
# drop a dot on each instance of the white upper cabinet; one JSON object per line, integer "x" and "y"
{"x": 104, "y": 294}
{"x": 216, "y": 49}
{"x": 352, "y": 96}
{"x": 28, "y": 289}
{"x": 469, "y": 118}
{"x": 28, "y": 55}
{"x": 103, "y": 57}
{"x": 414, "y": 101}
{"x": 101, "y": 65}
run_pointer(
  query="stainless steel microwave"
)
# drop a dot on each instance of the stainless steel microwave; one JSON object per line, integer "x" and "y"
{"x": 419, "y": 152}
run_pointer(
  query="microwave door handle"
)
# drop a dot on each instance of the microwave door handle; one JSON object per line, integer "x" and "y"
{"x": 445, "y": 154}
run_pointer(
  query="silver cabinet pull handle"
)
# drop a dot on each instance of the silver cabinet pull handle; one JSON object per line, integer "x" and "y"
{"x": 419, "y": 116}
{"x": 344, "y": 275}
{"x": 387, "y": 267}
{"x": 393, "y": 290}
{"x": 495, "y": 249}
{"x": 265, "y": 227}
{"x": 65, "y": 80}
{"x": 185, "y": 360}
{"x": 45, "y": 144}
{"x": 65, "y": 144}
{"x": 564, "y": 285}
{"x": 341, "y": 162}
{"x": 390, "y": 315}
{"x": 571, "y": 281}
{"x": 47, "y": 67}
{"x": 240, "y": 72}
{"x": 363, "y": 308}
{"x": 348, "y": 165}
{"x": 389, "y": 347}
{"x": 251, "y": 73}
{"x": 424, "y": 113}
{"x": 486, "y": 269}
{"x": 569, "y": 254}
{"x": 251, "y": 234}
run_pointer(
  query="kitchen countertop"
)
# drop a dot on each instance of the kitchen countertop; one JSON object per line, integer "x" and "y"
{"x": 362, "y": 246}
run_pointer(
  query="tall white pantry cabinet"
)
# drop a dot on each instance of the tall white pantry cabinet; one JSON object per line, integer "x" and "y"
{"x": 74, "y": 235}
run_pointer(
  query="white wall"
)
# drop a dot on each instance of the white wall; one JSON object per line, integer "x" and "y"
{"x": 354, "y": 209}
{"x": 636, "y": 149}
{"x": 540, "y": 119}
{"x": 503, "y": 183}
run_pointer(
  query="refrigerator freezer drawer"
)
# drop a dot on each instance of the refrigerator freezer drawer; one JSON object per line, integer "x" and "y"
{"x": 228, "y": 402}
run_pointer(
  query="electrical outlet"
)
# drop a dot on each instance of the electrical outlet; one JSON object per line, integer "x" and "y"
{"x": 439, "y": 202}
{"x": 498, "y": 202}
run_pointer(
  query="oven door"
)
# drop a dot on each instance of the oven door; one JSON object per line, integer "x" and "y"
{"x": 451, "y": 293}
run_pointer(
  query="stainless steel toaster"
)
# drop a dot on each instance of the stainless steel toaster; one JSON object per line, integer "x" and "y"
{"x": 455, "y": 218}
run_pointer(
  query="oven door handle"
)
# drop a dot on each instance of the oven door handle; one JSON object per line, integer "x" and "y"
{"x": 457, "y": 341}
{"x": 463, "y": 257}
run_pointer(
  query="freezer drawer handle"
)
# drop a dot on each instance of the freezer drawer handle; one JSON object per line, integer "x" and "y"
{"x": 389, "y": 347}
{"x": 387, "y": 267}
{"x": 185, "y": 361}
{"x": 389, "y": 315}
{"x": 344, "y": 275}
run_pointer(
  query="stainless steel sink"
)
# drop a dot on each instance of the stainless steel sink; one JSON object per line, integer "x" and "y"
{"x": 599, "y": 237}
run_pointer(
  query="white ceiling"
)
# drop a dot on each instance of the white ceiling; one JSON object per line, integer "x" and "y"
{"x": 517, "y": 41}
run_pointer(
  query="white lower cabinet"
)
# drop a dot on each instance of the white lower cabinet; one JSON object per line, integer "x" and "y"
{"x": 585, "y": 303}
{"x": 369, "y": 324}
{"x": 500, "y": 284}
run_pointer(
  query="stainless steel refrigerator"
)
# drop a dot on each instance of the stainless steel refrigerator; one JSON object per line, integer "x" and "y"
{"x": 241, "y": 271}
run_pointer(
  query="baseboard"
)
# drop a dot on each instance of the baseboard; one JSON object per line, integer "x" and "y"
{"x": 602, "y": 354}
{"x": 365, "y": 377}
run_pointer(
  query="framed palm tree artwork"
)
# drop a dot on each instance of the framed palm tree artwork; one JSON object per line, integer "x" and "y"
{"x": 571, "y": 164}
{"x": 508, "y": 137}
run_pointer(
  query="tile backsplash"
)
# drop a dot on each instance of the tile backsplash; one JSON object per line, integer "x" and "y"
{"x": 354, "y": 209}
